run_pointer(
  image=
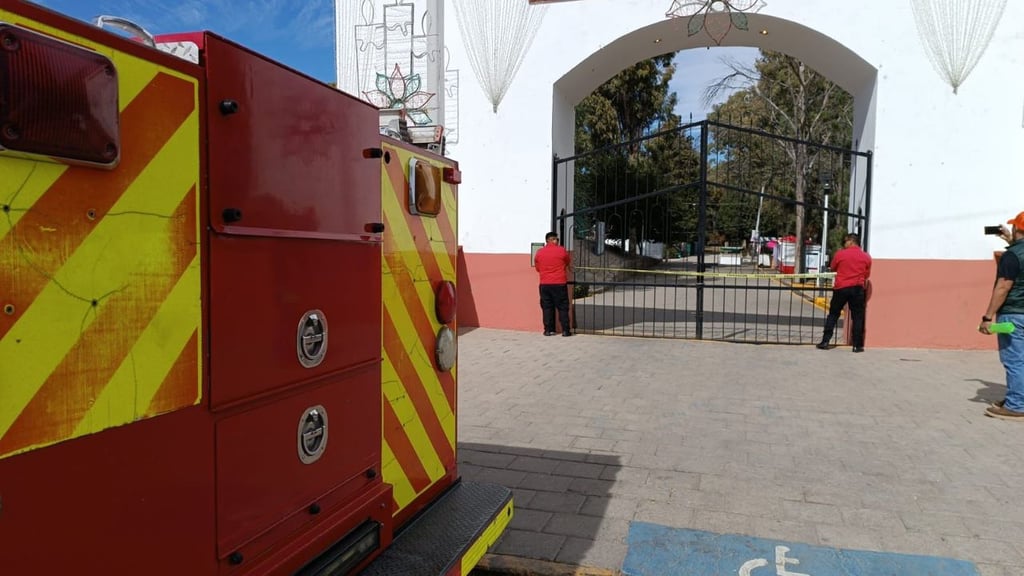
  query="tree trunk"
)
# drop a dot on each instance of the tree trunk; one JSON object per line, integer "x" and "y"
{"x": 800, "y": 165}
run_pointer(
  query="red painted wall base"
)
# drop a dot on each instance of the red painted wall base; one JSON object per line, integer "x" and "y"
{"x": 498, "y": 291}
{"x": 915, "y": 303}
{"x": 929, "y": 304}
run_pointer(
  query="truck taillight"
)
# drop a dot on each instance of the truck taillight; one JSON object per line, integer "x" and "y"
{"x": 57, "y": 99}
{"x": 452, "y": 175}
{"x": 446, "y": 302}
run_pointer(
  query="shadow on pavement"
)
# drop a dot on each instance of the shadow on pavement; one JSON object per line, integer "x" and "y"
{"x": 989, "y": 391}
{"x": 604, "y": 317}
{"x": 561, "y": 498}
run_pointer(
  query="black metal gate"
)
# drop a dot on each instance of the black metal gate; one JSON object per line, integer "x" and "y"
{"x": 709, "y": 231}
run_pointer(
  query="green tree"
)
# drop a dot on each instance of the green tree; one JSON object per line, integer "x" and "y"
{"x": 635, "y": 106}
{"x": 630, "y": 104}
{"x": 781, "y": 95}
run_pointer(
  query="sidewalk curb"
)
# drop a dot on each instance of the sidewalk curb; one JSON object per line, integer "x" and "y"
{"x": 516, "y": 566}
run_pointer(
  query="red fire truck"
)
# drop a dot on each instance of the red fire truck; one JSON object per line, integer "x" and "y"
{"x": 227, "y": 319}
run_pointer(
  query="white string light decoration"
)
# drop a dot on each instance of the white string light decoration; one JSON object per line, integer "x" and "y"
{"x": 956, "y": 33}
{"x": 497, "y": 35}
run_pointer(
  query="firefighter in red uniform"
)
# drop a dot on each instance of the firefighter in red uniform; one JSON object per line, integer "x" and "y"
{"x": 553, "y": 264}
{"x": 853, "y": 268}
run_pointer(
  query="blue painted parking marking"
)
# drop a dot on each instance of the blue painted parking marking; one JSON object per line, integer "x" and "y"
{"x": 656, "y": 550}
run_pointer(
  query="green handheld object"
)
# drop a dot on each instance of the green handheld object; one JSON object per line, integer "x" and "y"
{"x": 1001, "y": 328}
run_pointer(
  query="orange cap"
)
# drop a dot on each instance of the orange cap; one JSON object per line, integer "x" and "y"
{"x": 1017, "y": 222}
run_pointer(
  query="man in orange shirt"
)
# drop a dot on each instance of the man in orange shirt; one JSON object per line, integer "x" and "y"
{"x": 553, "y": 264}
{"x": 853, "y": 268}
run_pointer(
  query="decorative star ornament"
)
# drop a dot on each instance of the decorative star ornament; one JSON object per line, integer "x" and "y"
{"x": 715, "y": 17}
{"x": 401, "y": 92}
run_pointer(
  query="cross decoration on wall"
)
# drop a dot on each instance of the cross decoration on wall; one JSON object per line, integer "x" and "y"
{"x": 715, "y": 17}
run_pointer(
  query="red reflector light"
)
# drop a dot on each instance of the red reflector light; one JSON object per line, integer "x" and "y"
{"x": 452, "y": 175}
{"x": 57, "y": 99}
{"x": 445, "y": 305}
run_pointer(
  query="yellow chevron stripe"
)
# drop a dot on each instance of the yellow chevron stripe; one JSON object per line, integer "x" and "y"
{"x": 137, "y": 380}
{"x": 432, "y": 225}
{"x": 392, "y": 474}
{"x": 419, "y": 354}
{"x": 133, "y": 74}
{"x": 50, "y": 309}
{"x": 451, "y": 209}
{"x": 27, "y": 182}
{"x": 444, "y": 260}
{"x": 405, "y": 249}
{"x": 118, "y": 246}
{"x": 165, "y": 181}
{"x": 405, "y": 246}
{"x": 395, "y": 393}
{"x": 31, "y": 178}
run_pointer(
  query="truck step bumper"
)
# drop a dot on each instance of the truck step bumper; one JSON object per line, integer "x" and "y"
{"x": 451, "y": 536}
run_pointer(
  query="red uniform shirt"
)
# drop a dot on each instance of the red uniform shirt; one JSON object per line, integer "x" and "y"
{"x": 852, "y": 267}
{"x": 551, "y": 261}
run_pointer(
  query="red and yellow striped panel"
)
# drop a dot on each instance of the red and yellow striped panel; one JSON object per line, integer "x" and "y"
{"x": 100, "y": 283}
{"x": 420, "y": 403}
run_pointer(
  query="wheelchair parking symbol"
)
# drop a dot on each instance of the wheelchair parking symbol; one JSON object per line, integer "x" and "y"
{"x": 656, "y": 550}
{"x": 780, "y": 564}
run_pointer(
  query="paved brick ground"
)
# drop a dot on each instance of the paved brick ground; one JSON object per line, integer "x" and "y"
{"x": 887, "y": 450}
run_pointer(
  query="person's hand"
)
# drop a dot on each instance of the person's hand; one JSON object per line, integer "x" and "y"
{"x": 1005, "y": 234}
{"x": 983, "y": 327}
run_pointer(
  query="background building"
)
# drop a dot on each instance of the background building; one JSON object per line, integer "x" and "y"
{"x": 944, "y": 163}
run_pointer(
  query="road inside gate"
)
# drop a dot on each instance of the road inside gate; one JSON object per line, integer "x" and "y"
{"x": 623, "y": 452}
{"x": 740, "y": 304}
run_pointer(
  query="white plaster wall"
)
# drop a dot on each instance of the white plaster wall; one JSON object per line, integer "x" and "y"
{"x": 945, "y": 164}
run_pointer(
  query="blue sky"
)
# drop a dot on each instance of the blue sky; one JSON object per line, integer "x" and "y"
{"x": 300, "y": 34}
{"x": 698, "y": 68}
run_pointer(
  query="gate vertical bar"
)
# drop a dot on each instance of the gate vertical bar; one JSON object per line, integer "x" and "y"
{"x": 867, "y": 203}
{"x": 702, "y": 214}
{"x": 554, "y": 192}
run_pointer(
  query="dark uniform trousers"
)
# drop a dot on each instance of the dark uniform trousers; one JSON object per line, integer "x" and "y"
{"x": 552, "y": 297}
{"x": 854, "y": 296}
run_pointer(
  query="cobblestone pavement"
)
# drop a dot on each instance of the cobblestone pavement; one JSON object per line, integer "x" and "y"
{"x": 887, "y": 450}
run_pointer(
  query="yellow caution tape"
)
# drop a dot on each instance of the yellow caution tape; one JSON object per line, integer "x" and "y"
{"x": 822, "y": 276}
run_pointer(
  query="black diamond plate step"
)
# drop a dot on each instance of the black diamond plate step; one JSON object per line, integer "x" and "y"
{"x": 437, "y": 539}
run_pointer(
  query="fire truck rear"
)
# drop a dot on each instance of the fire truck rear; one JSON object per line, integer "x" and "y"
{"x": 228, "y": 334}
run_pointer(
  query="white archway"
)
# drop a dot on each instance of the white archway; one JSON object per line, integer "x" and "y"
{"x": 942, "y": 169}
{"x": 822, "y": 53}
